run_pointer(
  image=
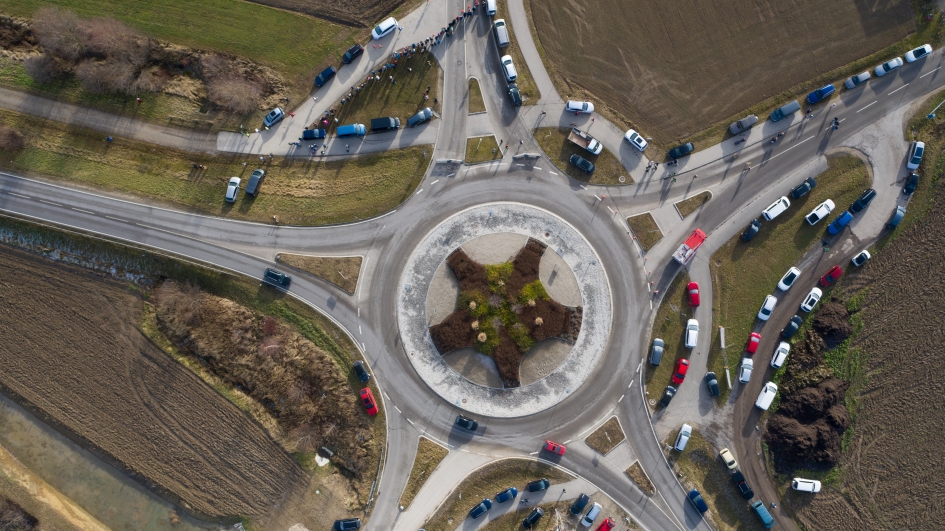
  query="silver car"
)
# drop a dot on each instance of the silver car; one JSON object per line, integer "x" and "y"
{"x": 857, "y": 80}
{"x": 585, "y": 107}
{"x": 232, "y": 189}
{"x": 888, "y": 67}
{"x": 743, "y": 125}
{"x": 656, "y": 355}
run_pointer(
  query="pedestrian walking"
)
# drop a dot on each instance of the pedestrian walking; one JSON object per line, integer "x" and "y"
{"x": 108, "y": 139}
{"x": 695, "y": 176}
{"x": 346, "y": 147}
{"x": 674, "y": 179}
{"x": 292, "y": 115}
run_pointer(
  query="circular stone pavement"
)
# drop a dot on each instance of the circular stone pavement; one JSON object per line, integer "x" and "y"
{"x": 560, "y": 237}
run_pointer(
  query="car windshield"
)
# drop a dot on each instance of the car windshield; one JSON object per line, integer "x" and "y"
{"x": 378, "y": 30}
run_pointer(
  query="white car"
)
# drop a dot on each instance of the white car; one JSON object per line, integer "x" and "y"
{"x": 585, "y": 107}
{"x": 805, "y": 485}
{"x": 728, "y": 458}
{"x": 888, "y": 67}
{"x": 861, "y": 258}
{"x": 780, "y": 355}
{"x": 776, "y": 209}
{"x": 635, "y": 139}
{"x": 788, "y": 279}
{"x": 384, "y": 28}
{"x": 823, "y": 210}
{"x": 916, "y": 150}
{"x": 232, "y": 189}
{"x": 812, "y": 299}
{"x": 744, "y": 372}
{"x": 857, "y": 80}
{"x": 508, "y": 68}
{"x": 767, "y": 307}
{"x": 920, "y": 52}
{"x": 692, "y": 333}
{"x": 685, "y": 433}
{"x": 768, "y": 392}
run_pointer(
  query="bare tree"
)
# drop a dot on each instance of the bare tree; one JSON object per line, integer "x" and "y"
{"x": 234, "y": 94}
{"x": 106, "y": 76}
{"x": 212, "y": 66}
{"x": 60, "y": 33}
{"x": 44, "y": 68}
{"x": 10, "y": 139}
{"x": 111, "y": 39}
{"x": 152, "y": 80}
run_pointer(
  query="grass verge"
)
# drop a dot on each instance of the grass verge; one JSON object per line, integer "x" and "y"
{"x": 341, "y": 271}
{"x": 485, "y": 483}
{"x": 429, "y": 455}
{"x": 669, "y": 325}
{"x": 525, "y": 81}
{"x": 476, "y": 103}
{"x": 605, "y": 438}
{"x": 482, "y": 149}
{"x": 639, "y": 477}
{"x": 512, "y": 521}
{"x": 688, "y": 206}
{"x": 645, "y": 230}
{"x": 608, "y": 170}
{"x": 744, "y": 273}
{"x": 299, "y": 191}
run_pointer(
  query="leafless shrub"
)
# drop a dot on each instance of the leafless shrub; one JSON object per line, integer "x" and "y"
{"x": 10, "y": 139}
{"x": 106, "y": 76}
{"x": 108, "y": 38}
{"x": 271, "y": 347}
{"x": 60, "y": 33}
{"x": 213, "y": 66}
{"x": 299, "y": 391}
{"x": 270, "y": 326}
{"x": 234, "y": 94}
{"x": 44, "y": 68}
{"x": 151, "y": 80}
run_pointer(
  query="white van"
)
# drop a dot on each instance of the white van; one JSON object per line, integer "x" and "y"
{"x": 501, "y": 32}
{"x": 767, "y": 396}
{"x": 776, "y": 208}
{"x": 805, "y": 485}
{"x": 591, "y": 515}
{"x": 491, "y": 7}
{"x": 685, "y": 433}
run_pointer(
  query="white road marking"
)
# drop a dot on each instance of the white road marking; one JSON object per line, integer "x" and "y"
{"x": 436, "y": 181}
{"x": 80, "y": 210}
{"x": 452, "y": 174}
{"x": 898, "y": 89}
{"x": 537, "y": 168}
{"x": 48, "y": 202}
{"x": 598, "y": 197}
{"x": 19, "y": 195}
{"x": 788, "y": 149}
{"x": 583, "y": 187}
{"x": 398, "y": 410}
{"x": 553, "y": 173}
{"x": 359, "y": 330}
{"x": 867, "y": 106}
{"x": 621, "y": 397}
{"x": 116, "y": 219}
{"x": 418, "y": 191}
{"x": 611, "y": 210}
{"x": 533, "y": 453}
{"x": 386, "y": 395}
{"x": 631, "y": 383}
{"x": 359, "y": 311}
{"x": 411, "y": 423}
{"x": 520, "y": 165}
{"x": 651, "y": 305}
{"x": 363, "y": 346}
{"x": 567, "y": 441}
{"x": 927, "y": 73}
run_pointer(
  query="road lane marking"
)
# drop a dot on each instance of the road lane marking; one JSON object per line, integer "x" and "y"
{"x": 788, "y": 149}
{"x": 898, "y": 89}
{"x": 80, "y": 210}
{"x": 386, "y": 395}
{"x": 452, "y": 174}
{"x": 116, "y": 219}
{"x": 434, "y": 182}
{"x": 48, "y": 202}
{"x": 537, "y": 168}
{"x": 927, "y": 73}
{"x": 598, "y": 198}
{"x": 631, "y": 383}
{"x": 359, "y": 330}
{"x": 611, "y": 210}
{"x": 418, "y": 191}
{"x": 621, "y": 397}
{"x": 359, "y": 311}
{"x": 411, "y": 422}
{"x": 533, "y": 453}
{"x": 874, "y": 103}
{"x": 583, "y": 187}
{"x": 520, "y": 165}
{"x": 398, "y": 410}
{"x": 19, "y": 195}
{"x": 553, "y": 173}
{"x": 567, "y": 441}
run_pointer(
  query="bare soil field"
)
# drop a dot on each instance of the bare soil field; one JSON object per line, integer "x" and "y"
{"x": 670, "y": 69}
{"x": 73, "y": 355}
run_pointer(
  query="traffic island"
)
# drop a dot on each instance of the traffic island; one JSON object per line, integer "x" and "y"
{"x": 605, "y": 438}
{"x": 607, "y": 168}
{"x": 690, "y": 205}
{"x": 341, "y": 271}
{"x": 476, "y": 103}
{"x": 645, "y": 230}
{"x": 482, "y": 149}
{"x": 640, "y": 479}
{"x": 429, "y": 456}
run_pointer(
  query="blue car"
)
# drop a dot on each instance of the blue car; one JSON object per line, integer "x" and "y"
{"x": 480, "y": 509}
{"x": 820, "y": 94}
{"x": 697, "y": 501}
{"x": 326, "y": 74}
{"x": 506, "y": 495}
{"x": 839, "y": 223}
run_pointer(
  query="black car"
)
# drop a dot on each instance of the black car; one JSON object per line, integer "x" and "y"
{"x": 742, "y": 485}
{"x": 533, "y": 517}
{"x": 679, "y": 152}
{"x": 792, "y": 327}
{"x": 326, "y": 74}
{"x": 361, "y": 371}
{"x": 863, "y": 201}
{"x": 352, "y": 52}
{"x": 698, "y": 501}
{"x": 668, "y": 395}
{"x": 804, "y": 188}
{"x": 752, "y": 229}
{"x": 480, "y": 509}
{"x": 347, "y": 524}
{"x": 537, "y": 485}
{"x": 579, "y": 504}
{"x": 466, "y": 423}
{"x": 515, "y": 95}
{"x": 585, "y": 165}
{"x": 912, "y": 181}
{"x": 277, "y": 278}
{"x": 713, "y": 383}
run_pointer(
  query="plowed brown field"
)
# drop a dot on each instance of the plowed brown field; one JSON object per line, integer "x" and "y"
{"x": 71, "y": 352}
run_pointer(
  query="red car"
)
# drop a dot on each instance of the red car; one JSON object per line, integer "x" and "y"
{"x": 554, "y": 447}
{"x": 831, "y": 276}
{"x": 606, "y": 525}
{"x": 682, "y": 367}
{"x": 367, "y": 398}
{"x": 693, "y": 289}
{"x": 753, "y": 341}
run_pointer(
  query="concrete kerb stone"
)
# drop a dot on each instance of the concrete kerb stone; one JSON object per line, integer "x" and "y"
{"x": 560, "y": 237}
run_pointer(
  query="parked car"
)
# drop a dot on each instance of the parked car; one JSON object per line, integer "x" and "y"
{"x": 515, "y": 95}
{"x": 385, "y": 123}
{"x": 606, "y": 525}
{"x": 776, "y": 209}
{"x": 820, "y": 212}
{"x": 635, "y": 139}
{"x": 766, "y": 396}
{"x": 480, "y": 509}
{"x": 693, "y": 290}
{"x": 682, "y": 438}
{"x": 347, "y": 524}
{"x": 656, "y": 353}
{"x": 915, "y": 155}
{"x": 743, "y": 125}
{"x": 766, "y": 519}
{"x": 804, "y": 188}
{"x": 313, "y": 134}
{"x": 831, "y": 276}
{"x": 679, "y": 373}
{"x": 537, "y": 485}
{"x": 863, "y": 201}
{"x": 361, "y": 371}
{"x": 351, "y": 130}
{"x": 668, "y": 395}
{"x": 384, "y": 28}
{"x": 591, "y": 515}
{"x": 466, "y": 423}
{"x": 579, "y": 504}
{"x": 232, "y": 189}
{"x": 912, "y": 182}
{"x": 255, "y": 179}
{"x": 506, "y": 495}
{"x": 785, "y": 110}
{"x": 742, "y": 485}
{"x": 780, "y": 355}
{"x": 712, "y": 383}
{"x": 421, "y": 116}
{"x": 812, "y": 299}
{"x": 508, "y": 68}
{"x": 837, "y": 225}
{"x": 788, "y": 279}
{"x": 857, "y": 80}
{"x": 697, "y": 501}
{"x": 918, "y": 53}
{"x": 273, "y": 117}
{"x": 751, "y": 346}
{"x": 583, "y": 164}
{"x": 555, "y": 448}
{"x": 767, "y": 307}
{"x": 277, "y": 278}
{"x": 896, "y": 217}
{"x": 744, "y": 370}
{"x": 679, "y": 152}
{"x": 692, "y": 333}
{"x": 533, "y": 517}
{"x": 820, "y": 94}
{"x": 326, "y": 74}
{"x": 352, "y": 53}
{"x": 805, "y": 485}
{"x": 367, "y": 398}
{"x": 728, "y": 459}
{"x": 888, "y": 67}
{"x": 792, "y": 327}
{"x": 584, "y": 107}
{"x": 752, "y": 229}
{"x": 861, "y": 258}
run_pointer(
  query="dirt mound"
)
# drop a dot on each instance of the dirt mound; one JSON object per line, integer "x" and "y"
{"x": 832, "y": 323}
{"x": 806, "y": 430}
{"x": 349, "y": 12}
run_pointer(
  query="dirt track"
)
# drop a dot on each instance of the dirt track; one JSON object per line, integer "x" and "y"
{"x": 71, "y": 350}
